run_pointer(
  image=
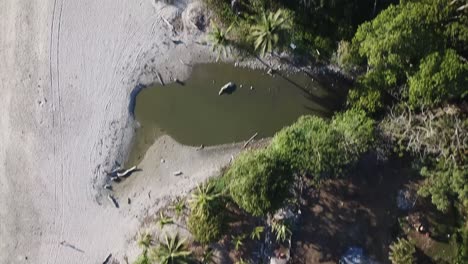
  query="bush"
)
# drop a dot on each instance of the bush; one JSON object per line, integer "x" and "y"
{"x": 259, "y": 182}
{"x": 323, "y": 149}
{"x": 402, "y": 252}
{"x": 206, "y": 226}
{"x": 440, "y": 77}
{"x": 206, "y": 219}
{"x": 292, "y": 143}
{"x": 356, "y": 130}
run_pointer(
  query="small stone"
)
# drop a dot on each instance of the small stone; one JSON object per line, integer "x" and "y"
{"x": 163, "y": 161}
{"x": 251, "y": 87}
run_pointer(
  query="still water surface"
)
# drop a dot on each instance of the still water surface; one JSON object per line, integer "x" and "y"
{"x": 193, "y": 113}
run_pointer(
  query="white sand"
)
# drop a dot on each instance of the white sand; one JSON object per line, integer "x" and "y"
{"x": 66, "y": 71}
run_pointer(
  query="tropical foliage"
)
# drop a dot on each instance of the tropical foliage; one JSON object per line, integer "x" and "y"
{"x": 281, "y": 230}
{"x": 402, "y": 252}
{"x": 269, "y": 29}
{"x": 172, "y": 251}
{"x": 259, "y": 182}
{"x": 206, "y": 219}
{"x": 219, "y": 39}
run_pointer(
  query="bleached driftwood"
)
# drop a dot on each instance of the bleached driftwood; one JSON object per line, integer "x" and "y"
{"x": 250, "y": 140}
{"x": 106, "y": 261}
{"x": 127, "y": 172}
{"x": 113, "y": 200}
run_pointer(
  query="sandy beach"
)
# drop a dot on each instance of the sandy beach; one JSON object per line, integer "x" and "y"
{"x": 67, "y": 71}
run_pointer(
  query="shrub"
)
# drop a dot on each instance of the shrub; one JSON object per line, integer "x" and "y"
{"x": 402, "y": 252}
{"x": 323, "y": 149}
{"x": 357, "y": 132}
{"x": 206, "y": 227}
{"x": 259, "y": 182}
{"x": 440, "y": 77}
{"x": 206, "y": 219}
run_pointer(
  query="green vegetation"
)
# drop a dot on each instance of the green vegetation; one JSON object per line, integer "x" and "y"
{"x": 219, "y": 40}
{"x": 416, "y": 41}
{"x": 238, "y": 241}
{"x": 411, "y": 76}
{"x": 323, "y": 149}
{"x": 440, "y": 78}
{"x": 145, "y": 241}
{"x": 172, "y": 251}
{"x": 315, "y": 25}
{"x": 206, "y": 219}
{"x": 164, "y": 220}
{"x": 179, "y": 207}
{"x": 282, "y": 230}
{"x": 260, "y": 182}
{"x": 402, "y": 252}
{"x": 268, "y": 29}
{"x": 257, "y": 232}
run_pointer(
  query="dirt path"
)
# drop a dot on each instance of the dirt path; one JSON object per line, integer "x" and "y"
{"x": 66, "y": 71}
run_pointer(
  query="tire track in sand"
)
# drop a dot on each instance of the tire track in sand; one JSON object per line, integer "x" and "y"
{"x": 57, "y": 126}
{"x": 53, "y": 249}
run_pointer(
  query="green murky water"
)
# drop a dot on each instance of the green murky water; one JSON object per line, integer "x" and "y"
{"x": 193, "y": 113}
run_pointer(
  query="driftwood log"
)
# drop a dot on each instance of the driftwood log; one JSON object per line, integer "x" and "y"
{"x": 250, "y": 140}
{"x": 113, "y": 200}
{"x": 106, "y": 261}
{"x": 127, "y": 172}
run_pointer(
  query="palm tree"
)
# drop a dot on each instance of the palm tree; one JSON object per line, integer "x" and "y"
{"x": 266, "y": 33}
{"x": 219, "y": 40}
{"x": 201, "y": 198}
{"x": 172, "y": 251}
{"x": 402, "y": 252}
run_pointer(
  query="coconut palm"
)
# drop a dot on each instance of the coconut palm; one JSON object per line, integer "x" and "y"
{"x": 172, "y": 251}
{"x": 201, "y": 198}
{"x": 219, "y": 40}
{"x": 266, "y": 33}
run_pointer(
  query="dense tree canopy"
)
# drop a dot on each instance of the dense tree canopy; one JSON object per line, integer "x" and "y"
{"x": 440, "y": 77}
{"x": 322, "y": 148}
{"x": 413, "y": 40}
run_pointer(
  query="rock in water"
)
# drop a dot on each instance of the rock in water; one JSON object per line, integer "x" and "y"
{"x": 227, "y": 88}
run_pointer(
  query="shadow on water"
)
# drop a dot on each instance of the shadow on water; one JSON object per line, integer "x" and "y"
{"x": 133, "y": 97}
{"x": 193, "y": 112}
